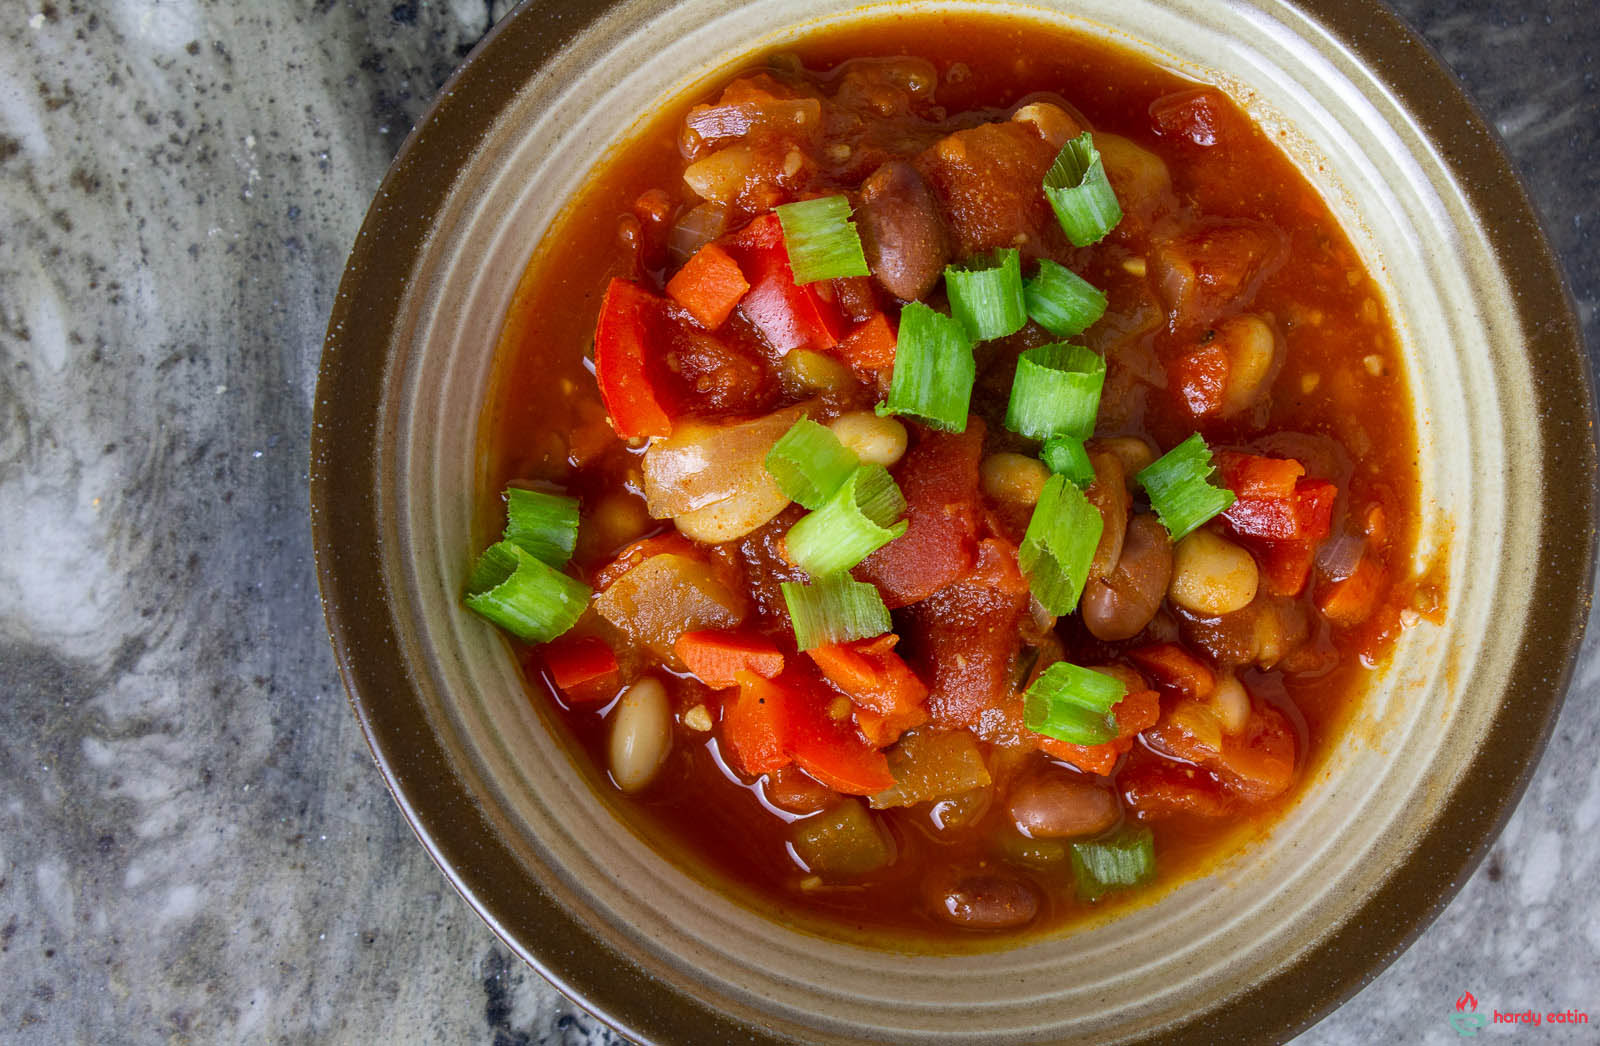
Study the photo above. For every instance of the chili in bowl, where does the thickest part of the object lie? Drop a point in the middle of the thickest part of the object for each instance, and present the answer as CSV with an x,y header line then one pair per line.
x,y
982,526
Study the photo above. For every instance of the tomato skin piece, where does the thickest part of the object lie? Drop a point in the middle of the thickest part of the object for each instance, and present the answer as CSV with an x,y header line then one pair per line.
x,y
1201,379
625,350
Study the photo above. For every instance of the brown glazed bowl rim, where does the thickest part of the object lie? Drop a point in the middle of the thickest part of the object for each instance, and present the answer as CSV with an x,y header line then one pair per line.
x,y
442,809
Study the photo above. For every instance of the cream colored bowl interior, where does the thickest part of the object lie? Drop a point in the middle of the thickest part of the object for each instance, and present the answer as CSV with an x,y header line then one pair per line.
x,y
1210,936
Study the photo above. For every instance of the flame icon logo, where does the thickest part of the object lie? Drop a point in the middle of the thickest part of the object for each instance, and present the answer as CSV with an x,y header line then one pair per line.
x,y
1466,1002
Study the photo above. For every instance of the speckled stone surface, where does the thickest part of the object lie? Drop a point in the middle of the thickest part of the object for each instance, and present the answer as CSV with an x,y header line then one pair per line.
x,y
194,844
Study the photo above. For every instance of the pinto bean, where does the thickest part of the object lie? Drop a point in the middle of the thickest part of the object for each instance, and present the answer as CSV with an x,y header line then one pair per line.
x,y
1109,494
984,900
1056,804
904,239
1120,604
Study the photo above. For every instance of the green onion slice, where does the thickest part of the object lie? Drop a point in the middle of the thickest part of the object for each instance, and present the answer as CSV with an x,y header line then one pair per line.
x,y
528,598
933,370
986,294
834,609
1059,545
1080,194
1066,455
1061,301
1126,858
1073,704
1056,392
1180,490
809,463
821,240
544,525
857,520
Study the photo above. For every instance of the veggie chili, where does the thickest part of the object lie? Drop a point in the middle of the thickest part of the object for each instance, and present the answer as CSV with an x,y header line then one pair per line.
x,y
993,478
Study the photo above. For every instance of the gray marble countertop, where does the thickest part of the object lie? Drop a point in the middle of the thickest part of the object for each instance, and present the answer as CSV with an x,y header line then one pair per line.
x,y
194,844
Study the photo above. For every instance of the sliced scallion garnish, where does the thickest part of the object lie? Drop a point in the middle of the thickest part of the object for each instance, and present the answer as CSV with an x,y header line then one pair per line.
x,y
1180,490
857,520
809,463
933,370
544,525
528,598
834,609
1056,392
1073,704
1059,545
986,294
1126,858
821,240
1065,455
1080,194
1061,301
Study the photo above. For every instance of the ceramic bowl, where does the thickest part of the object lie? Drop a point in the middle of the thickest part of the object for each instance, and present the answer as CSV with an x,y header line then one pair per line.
x,y
1270,941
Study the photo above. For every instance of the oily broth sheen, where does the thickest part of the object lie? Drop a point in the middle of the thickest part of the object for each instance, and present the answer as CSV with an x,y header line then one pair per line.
x,y
1334,327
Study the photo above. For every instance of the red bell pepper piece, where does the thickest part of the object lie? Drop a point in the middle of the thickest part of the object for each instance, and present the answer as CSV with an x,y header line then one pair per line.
x,y
788,315
580,666
775,722
627,351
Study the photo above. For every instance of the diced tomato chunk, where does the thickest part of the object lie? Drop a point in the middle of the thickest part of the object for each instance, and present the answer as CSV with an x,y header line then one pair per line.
x,y
869,347
1255,476
967,635
1285,565
627,354
1201,378
939,478
1174,668
1351,601
1136,712
1158,791
1200,116
709,285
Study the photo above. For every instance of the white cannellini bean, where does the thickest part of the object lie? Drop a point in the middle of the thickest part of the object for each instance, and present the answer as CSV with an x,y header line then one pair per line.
x,y
1252,348
1211,575
876,441
641,734
1231,703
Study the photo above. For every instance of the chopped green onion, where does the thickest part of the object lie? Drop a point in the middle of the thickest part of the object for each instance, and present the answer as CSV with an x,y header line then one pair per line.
x,y
526,597
933,370
858,519
809,463
1061,301
821,240
1127,858
1178,483
834,609
986,294
1080,194
1059,545
544,525
1056,392
1066,455
1073,704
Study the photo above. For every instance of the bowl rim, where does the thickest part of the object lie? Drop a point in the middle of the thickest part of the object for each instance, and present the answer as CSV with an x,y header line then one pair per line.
x,y
440,807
